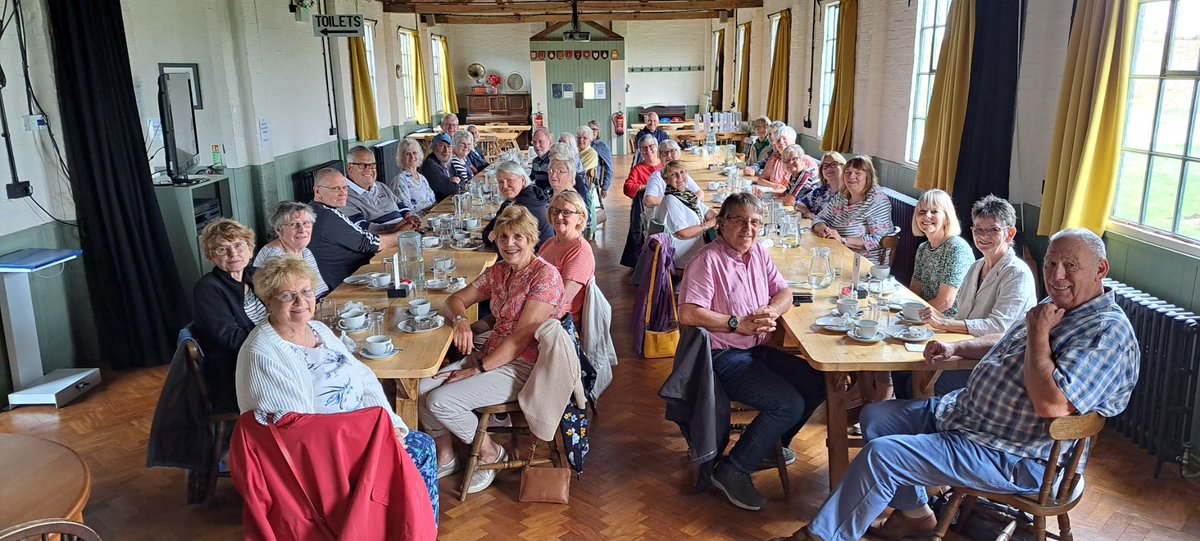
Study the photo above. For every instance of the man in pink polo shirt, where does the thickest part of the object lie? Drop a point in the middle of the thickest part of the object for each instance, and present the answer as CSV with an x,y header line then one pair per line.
x,y
733,289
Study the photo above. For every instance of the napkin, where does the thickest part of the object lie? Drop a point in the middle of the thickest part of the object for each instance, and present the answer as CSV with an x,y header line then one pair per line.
x,y
915,348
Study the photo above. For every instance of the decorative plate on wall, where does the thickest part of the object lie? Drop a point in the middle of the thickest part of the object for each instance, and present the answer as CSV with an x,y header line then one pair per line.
x,y
515,81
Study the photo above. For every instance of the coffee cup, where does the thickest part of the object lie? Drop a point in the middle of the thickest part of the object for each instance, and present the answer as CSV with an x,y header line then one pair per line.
x,y
847,307
353,319
714,185
418,307
880,272
379,344
380,279
471,223
430,242
912,310
866,328
461,236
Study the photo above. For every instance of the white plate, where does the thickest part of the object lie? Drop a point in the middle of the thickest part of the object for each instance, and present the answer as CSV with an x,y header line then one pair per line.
x,y
887,288
905,318
836,324
835,313
899,332
370,355
878,336
357,279
476,228
473,246
404,326
343,327
437,285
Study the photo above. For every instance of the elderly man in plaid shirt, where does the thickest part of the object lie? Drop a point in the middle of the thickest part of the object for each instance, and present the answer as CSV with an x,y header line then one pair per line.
x,y
1074,353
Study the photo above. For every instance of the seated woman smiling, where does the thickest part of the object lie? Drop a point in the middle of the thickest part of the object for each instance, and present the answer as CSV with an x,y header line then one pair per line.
x,y
568,251
296,365
683,215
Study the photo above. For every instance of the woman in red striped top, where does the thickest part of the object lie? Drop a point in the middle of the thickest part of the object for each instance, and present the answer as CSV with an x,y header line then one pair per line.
x,y
568,250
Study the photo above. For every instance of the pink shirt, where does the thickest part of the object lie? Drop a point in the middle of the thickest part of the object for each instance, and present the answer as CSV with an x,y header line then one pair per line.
x,y
508,292
575,262
720,280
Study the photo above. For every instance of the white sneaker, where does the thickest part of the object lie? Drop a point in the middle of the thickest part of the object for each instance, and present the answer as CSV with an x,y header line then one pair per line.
x,y
448,469
483,478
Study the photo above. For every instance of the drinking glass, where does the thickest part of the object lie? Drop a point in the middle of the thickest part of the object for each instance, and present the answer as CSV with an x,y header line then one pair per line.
x,y
327,309
376,323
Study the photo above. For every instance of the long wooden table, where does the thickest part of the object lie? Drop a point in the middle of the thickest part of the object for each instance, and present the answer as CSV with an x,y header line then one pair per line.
x,y
40,479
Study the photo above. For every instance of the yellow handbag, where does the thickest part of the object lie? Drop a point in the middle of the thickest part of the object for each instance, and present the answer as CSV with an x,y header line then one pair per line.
x,y
660,344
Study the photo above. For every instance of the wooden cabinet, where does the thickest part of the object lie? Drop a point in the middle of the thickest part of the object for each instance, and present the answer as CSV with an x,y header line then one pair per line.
x,y
508,108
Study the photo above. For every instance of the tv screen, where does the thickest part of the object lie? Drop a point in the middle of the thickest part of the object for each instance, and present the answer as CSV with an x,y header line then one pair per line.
x,y
178,124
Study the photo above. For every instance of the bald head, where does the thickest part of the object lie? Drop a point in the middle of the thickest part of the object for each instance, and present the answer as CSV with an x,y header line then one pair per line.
x,y
1075,266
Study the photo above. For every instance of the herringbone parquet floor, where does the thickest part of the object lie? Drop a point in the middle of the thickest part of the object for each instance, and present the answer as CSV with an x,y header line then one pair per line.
x,y
638,482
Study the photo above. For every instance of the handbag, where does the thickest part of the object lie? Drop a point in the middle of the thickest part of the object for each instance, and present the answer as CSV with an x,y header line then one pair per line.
x,y
544,485
660,344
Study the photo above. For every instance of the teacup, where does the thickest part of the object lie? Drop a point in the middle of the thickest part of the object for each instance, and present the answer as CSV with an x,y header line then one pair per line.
x,y
421,323
713,167
914,332
461,236
866,328
847,307
418,307
471,223
430,242
354,319
444,263
881,272
718,197
379,344
714,185
380,279
912,310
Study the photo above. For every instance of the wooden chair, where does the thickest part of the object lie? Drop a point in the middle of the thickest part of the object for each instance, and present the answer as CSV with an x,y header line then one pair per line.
x,y
740,417
221,425
490,146
516,460
50,528
889,244
1072,436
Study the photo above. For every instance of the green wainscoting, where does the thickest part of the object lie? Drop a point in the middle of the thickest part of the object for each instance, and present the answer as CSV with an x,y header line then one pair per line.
x,y
62,308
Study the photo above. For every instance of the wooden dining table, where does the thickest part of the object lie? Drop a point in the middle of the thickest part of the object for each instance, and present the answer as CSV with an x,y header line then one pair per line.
x,y
40,479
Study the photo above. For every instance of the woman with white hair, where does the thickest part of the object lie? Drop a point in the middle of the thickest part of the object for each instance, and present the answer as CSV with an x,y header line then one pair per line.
x,y
802,180
410,186
564,175
517,188
583,143
292,223
460,165
640,173
656,187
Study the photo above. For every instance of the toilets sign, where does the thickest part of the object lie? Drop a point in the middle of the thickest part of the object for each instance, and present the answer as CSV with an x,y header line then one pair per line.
x,y
337,26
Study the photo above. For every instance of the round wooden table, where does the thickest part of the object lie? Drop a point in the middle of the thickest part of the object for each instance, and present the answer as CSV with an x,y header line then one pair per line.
x,y
41,479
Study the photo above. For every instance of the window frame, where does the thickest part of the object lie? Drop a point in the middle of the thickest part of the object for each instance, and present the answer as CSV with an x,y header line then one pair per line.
x,y
773,31
406,57
739,44
829,40
924,70
1188,156
369,45
436,53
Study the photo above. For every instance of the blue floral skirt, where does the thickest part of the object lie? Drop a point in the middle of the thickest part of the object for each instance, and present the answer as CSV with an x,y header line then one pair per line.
x,y
424,455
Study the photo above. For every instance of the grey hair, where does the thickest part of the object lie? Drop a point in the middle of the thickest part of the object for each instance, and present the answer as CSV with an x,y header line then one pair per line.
x,y
786,131
669,144
739,201
583,130
762,118
448,117
776,124
360,150
463,135
565,154
325,173
794,150
407,144
995,208
543,130
513,168
645,138
285,209
1093,241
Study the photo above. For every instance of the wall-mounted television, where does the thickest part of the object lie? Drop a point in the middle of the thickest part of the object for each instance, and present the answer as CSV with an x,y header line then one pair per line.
x,y
178,117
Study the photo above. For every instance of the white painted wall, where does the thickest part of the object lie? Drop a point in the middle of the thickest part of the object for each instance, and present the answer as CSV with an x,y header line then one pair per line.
x,y
1042,64
666,43
501,49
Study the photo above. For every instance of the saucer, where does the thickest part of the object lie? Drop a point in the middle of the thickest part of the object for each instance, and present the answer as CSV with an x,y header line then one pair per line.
x,y
837,314
832,323
343,327
906,319
885,288
854,336
406,325
379,288
408,313
357,279
370,355
489,216
473,245
900,332
437,285
452,268
476,228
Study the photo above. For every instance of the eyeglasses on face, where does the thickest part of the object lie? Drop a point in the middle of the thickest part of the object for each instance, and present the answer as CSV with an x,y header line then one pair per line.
x,y
555,211
231,249
743,222
339,189
830,165
986,231
364,165
288,297
298,226
560,171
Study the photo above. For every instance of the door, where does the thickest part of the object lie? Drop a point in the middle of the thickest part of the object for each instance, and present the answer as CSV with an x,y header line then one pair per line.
x,y
578,91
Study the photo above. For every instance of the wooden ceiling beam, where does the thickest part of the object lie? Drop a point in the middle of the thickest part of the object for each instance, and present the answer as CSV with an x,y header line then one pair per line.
x,y
550,18
554,7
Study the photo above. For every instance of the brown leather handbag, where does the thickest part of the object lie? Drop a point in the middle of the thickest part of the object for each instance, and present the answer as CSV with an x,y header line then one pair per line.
x,y
544,485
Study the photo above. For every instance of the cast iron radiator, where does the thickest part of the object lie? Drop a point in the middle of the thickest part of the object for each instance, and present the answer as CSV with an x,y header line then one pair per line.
x,y
1162,407
302,180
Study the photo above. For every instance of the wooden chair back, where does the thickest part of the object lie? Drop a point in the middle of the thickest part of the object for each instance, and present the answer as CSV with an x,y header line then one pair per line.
x,y
1075,432
195,362
50,528
889,244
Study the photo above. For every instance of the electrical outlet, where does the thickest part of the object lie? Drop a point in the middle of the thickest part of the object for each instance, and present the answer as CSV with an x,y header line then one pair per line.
x,y
35,122
17,190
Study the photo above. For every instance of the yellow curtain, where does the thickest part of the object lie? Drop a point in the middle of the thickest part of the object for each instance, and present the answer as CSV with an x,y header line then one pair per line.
x,y
719,75
449,98
1081,180
366,120
840,125
421,97
777,93
743,92
948,103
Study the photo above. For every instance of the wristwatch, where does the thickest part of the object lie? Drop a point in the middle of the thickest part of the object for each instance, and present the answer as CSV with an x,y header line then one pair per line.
x,y
479,364
733,323
458,318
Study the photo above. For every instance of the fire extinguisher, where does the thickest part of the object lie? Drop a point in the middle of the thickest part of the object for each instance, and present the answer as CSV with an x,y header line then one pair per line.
x,y
538,119
618,120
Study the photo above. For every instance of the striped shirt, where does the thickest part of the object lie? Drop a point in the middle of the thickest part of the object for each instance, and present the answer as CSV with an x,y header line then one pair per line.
x,y
870,219
1096,357
255,309
269,252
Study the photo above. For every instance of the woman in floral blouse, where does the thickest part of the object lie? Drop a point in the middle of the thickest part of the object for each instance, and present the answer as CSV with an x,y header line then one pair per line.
x,y
943,259
860,215
410,186
525,291
810,204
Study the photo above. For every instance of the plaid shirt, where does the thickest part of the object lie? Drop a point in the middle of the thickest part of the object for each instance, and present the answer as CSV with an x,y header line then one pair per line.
x,y
1096,356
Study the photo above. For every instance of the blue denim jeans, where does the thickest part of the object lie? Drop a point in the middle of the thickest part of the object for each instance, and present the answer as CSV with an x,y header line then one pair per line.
x,y
782,387
905,453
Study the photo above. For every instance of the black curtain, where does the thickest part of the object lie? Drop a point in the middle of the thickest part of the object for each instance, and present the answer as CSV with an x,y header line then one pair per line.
x,y
986,149
137,300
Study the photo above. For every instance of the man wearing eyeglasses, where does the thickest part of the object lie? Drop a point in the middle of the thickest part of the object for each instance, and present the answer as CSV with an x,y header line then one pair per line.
x,y
371,204
339,245
733,289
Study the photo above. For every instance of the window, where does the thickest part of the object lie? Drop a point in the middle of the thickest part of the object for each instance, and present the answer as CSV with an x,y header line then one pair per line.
x,y
828,62
1158,180
739,47
408,66
438,54
774,20
369,43
931,28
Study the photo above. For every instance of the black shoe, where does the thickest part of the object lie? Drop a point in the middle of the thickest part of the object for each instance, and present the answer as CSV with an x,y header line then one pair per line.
x,y
738,487
769,463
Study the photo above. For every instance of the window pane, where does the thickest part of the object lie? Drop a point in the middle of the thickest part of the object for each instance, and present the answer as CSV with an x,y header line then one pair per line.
x,y
1150,38
929,11
927,52
1139,118
1173,114
1164,188
943,11
1195,148
918,138
922,108
1185,43
1189,218
938,34
1131,180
